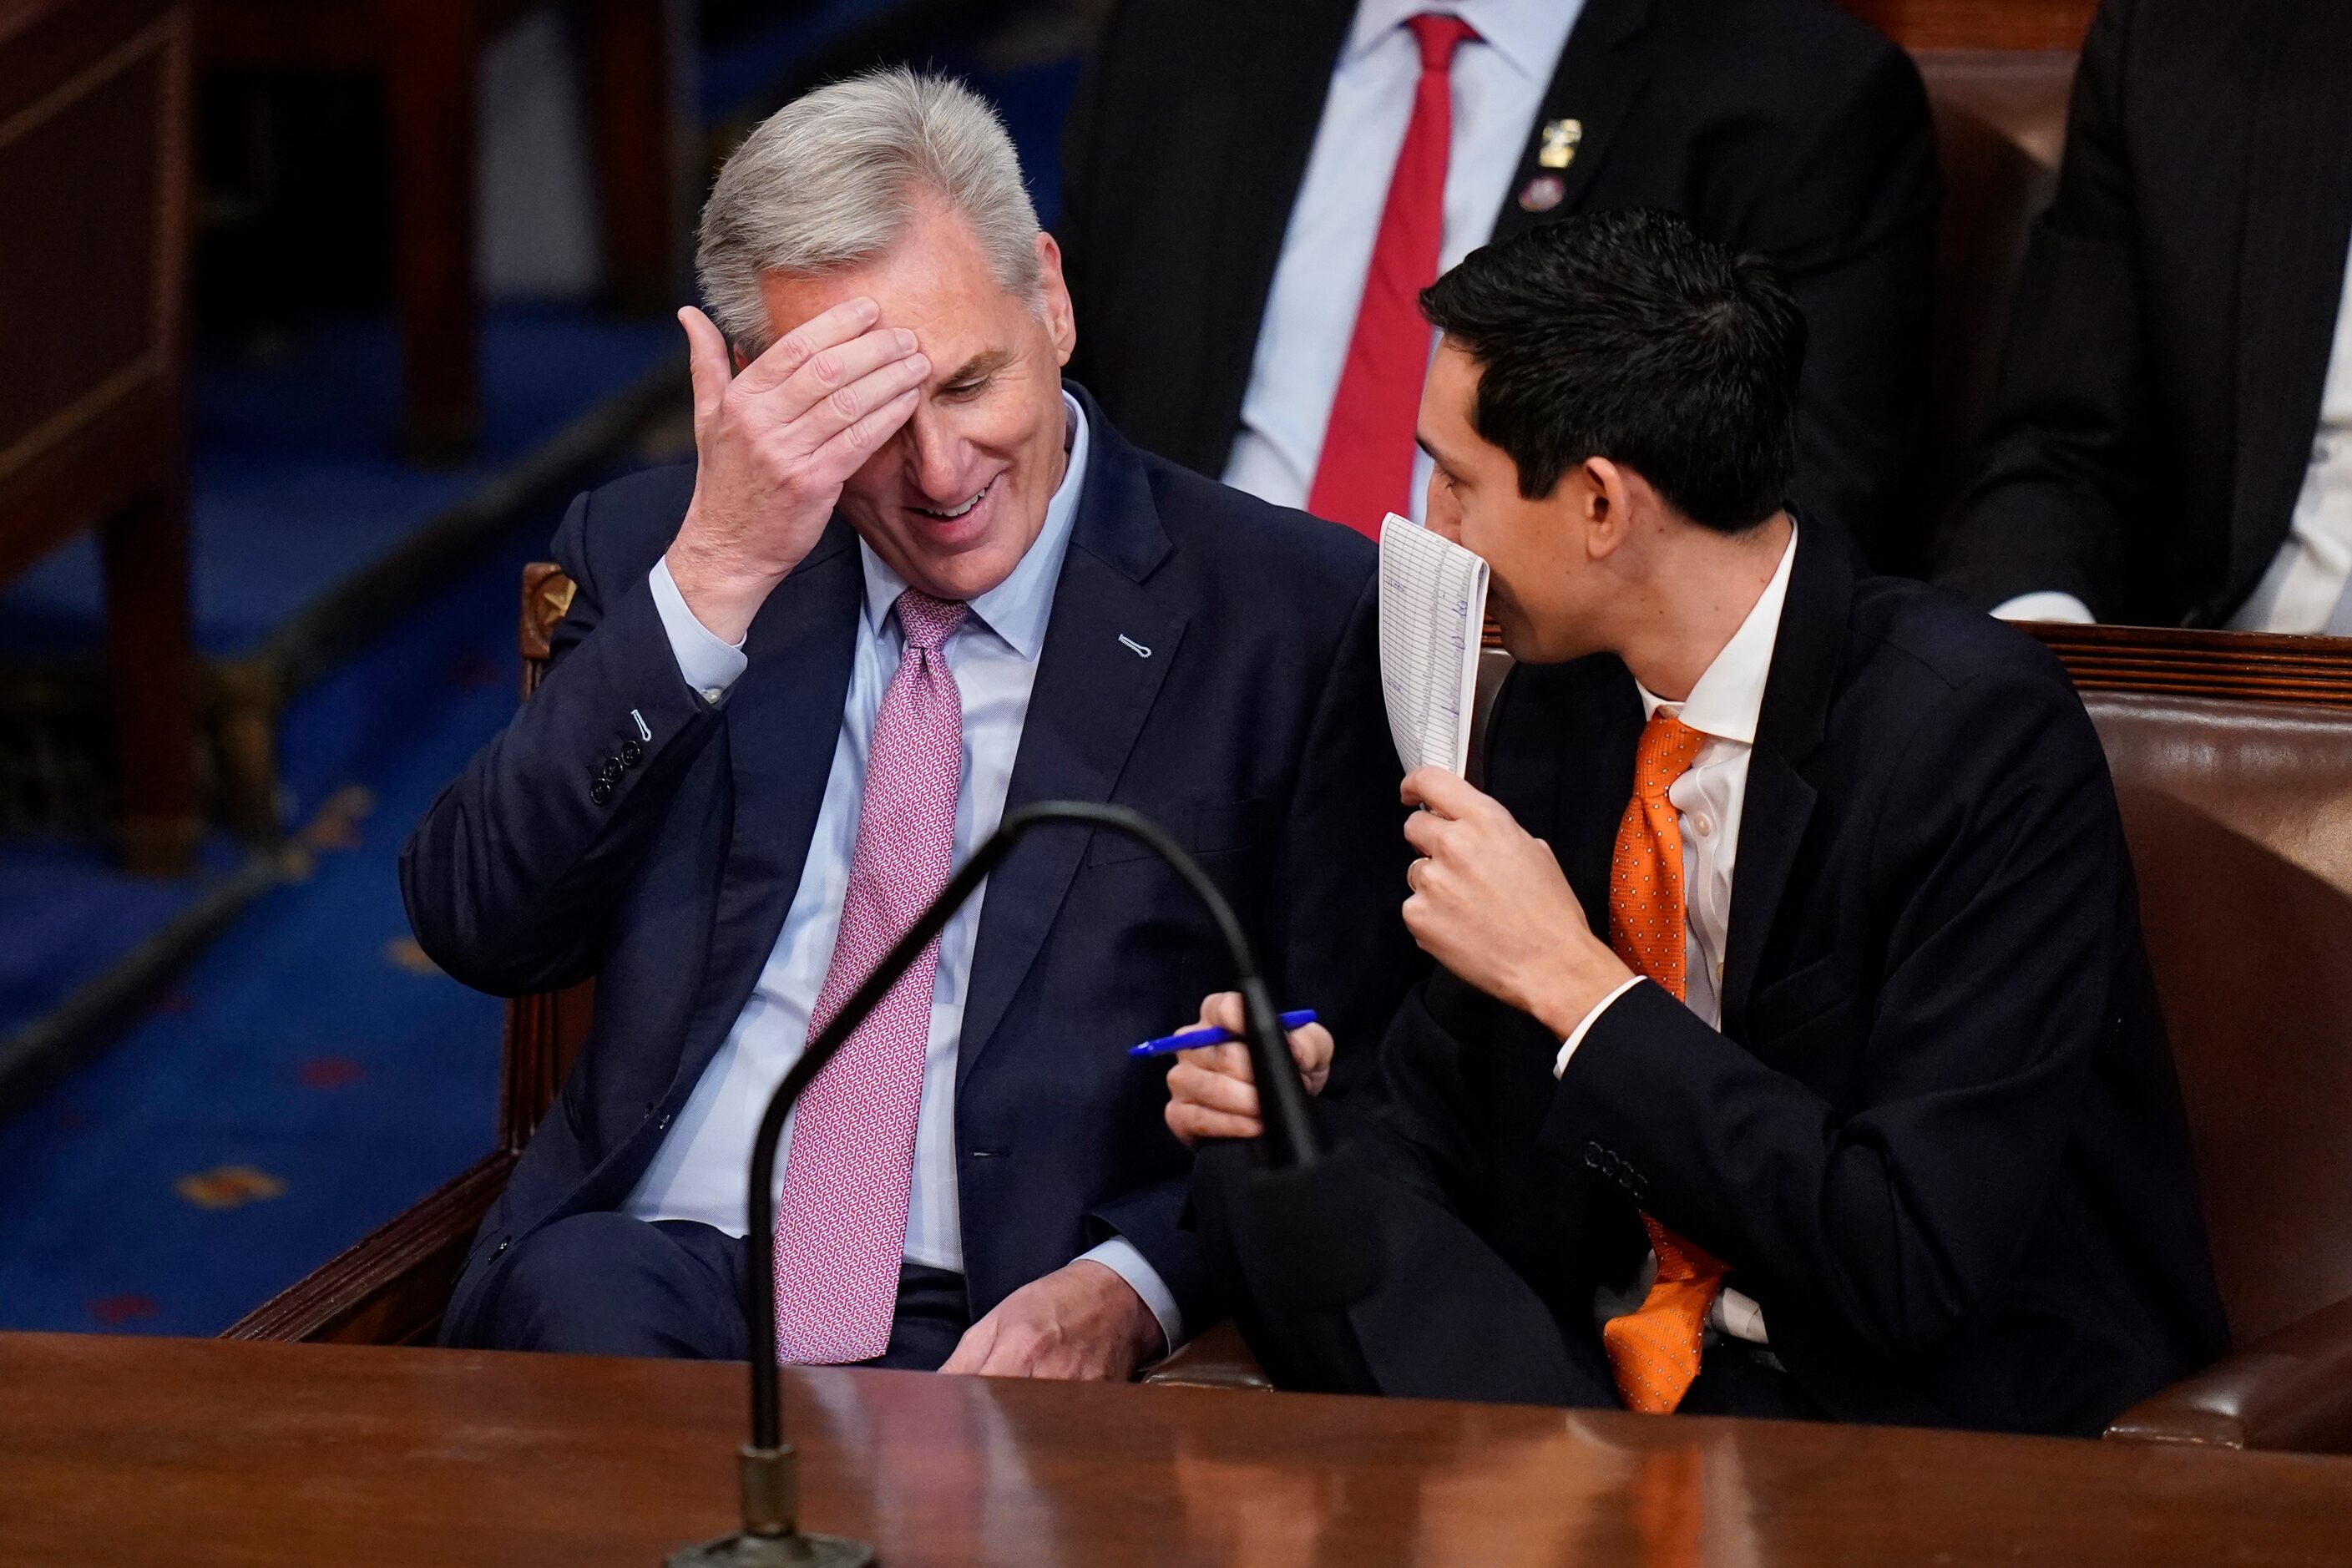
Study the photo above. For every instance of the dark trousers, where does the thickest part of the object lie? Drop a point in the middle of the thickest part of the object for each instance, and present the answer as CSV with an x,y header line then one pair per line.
x,y
607,1284
1446,1317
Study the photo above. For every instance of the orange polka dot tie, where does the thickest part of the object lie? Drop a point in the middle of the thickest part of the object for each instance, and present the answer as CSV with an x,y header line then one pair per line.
x,y
1654,1350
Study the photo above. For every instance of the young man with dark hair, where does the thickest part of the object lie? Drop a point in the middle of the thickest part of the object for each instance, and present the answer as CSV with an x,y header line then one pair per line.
x,y
1793,1049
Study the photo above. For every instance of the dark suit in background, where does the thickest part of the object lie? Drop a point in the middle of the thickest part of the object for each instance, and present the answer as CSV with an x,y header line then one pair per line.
x,y
1782,126
1253,732
1938,1139
2172,329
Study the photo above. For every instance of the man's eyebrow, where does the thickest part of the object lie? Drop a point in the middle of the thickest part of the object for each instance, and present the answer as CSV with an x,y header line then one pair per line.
x,y
981,365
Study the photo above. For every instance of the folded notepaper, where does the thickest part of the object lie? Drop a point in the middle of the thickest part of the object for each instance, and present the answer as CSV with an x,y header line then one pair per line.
x,y
1433,611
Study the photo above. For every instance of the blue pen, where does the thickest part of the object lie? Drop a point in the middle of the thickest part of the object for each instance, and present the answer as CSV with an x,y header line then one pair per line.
x,y
1193,1039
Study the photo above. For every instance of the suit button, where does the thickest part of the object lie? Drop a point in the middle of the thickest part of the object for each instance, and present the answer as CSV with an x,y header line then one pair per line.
x,y
601,793
632,753
1592,1156
610,771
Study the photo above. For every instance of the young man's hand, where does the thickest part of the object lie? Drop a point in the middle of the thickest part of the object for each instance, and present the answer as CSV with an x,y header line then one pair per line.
x,y
1212,1092
1490,904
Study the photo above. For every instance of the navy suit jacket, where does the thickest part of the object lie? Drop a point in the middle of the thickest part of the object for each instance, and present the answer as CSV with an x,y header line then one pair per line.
x,y
1254,731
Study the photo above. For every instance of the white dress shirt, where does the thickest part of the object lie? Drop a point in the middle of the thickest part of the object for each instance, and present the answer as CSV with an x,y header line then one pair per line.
x,y
1708,799
697,1173
2313,569
1498,80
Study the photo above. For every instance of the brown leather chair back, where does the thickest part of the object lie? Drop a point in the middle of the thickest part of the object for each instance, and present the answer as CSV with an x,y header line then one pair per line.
x,y
2239,815
2232,759
2001,124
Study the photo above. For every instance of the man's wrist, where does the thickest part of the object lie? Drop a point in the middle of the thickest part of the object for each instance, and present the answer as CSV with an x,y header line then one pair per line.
x,y
1578,984
723,600
1157,1324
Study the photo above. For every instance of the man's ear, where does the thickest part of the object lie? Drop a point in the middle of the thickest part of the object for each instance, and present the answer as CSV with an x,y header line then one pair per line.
x,y
1604,493
1061,320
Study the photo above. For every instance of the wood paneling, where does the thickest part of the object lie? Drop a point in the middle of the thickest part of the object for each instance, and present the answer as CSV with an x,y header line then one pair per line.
x,y
94,133
427,53
1978,23
2197,663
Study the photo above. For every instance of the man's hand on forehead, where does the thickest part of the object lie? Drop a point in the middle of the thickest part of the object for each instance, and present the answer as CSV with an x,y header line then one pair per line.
x,y
839,340
774,445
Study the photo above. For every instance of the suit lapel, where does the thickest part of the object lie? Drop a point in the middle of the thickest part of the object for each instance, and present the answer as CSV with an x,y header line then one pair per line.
x,y
1602,74
1090,702
1283,83
783,724
1779,803
2298,223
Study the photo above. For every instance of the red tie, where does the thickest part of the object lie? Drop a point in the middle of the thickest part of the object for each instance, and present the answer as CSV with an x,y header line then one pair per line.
x,y
1366,467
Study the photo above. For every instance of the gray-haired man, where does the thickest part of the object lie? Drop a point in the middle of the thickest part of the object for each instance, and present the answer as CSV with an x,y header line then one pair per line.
x,y
912,580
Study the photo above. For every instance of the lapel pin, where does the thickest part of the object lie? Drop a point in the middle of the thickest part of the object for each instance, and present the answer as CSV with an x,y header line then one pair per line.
x,y
1541,193
1134,646
1557,143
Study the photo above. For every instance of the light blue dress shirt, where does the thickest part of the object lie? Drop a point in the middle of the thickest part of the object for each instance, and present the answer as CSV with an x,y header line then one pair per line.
x,y
1498,80
698,1175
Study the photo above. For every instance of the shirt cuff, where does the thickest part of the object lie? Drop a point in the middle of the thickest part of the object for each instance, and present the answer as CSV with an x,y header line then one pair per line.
x,y
1119,1254
1584,1024
2045,605
1738,1316
709,664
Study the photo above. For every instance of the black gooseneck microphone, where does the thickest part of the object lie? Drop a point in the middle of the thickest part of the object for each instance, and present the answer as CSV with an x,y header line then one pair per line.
x,y
770,1534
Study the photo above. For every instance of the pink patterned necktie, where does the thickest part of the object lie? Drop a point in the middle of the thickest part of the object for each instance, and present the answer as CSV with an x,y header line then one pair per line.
x,y
841,1227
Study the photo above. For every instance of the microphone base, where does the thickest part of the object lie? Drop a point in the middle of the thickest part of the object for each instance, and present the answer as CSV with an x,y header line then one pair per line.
x,y
769,1479
792,1551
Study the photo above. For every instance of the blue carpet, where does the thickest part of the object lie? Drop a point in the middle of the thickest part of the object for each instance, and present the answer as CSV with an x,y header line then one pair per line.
x,y
67,913
297,480
296,484
309,1076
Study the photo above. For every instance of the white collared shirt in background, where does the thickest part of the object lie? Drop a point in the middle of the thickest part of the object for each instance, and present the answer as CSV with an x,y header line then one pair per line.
x,y
1708,801
697,1173
2312,570
1500,78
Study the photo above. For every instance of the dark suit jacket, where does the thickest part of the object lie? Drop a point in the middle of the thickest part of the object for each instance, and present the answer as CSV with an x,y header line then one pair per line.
x,y
2170,340
1253,732
1938,1137
1782,126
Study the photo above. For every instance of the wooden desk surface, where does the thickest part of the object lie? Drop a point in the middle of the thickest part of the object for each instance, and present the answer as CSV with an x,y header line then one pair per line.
x,y
188,1452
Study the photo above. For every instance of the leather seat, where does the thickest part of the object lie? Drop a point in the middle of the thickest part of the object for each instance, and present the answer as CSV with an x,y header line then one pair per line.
x,y
2240,817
